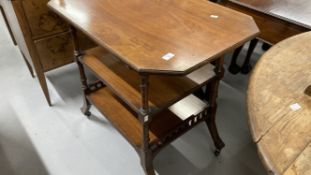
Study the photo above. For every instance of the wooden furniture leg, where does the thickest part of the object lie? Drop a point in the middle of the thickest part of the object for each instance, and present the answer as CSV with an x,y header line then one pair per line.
x,y
34,54
28,65
147,165
146,154
78,54
234,68
247,67
266,46
85,109
7,24
212,93
44,86
14,41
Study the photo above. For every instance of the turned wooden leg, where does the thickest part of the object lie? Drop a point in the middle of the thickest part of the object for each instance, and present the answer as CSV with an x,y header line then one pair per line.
x,y
7,24
146,157
247,67
85,109
212,93
234,68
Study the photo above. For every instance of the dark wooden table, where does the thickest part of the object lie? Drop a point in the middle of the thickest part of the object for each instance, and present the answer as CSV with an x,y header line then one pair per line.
x,y
279,106
151,55
276,19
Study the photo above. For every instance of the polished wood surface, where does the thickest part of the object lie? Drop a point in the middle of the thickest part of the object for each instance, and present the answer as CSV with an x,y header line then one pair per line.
x,y
164,90
141,32
151,55
126,120
282,80
41,20
149,113
121,117
273,28
276,19
293,11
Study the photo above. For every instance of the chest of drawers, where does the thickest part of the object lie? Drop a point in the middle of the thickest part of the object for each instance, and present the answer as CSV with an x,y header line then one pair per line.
x,y
43,38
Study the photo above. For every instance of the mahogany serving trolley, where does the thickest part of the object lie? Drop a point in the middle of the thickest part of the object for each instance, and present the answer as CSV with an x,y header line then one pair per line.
x,y
152,56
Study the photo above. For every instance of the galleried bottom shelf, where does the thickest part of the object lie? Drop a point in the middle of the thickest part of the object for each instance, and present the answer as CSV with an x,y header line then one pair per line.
x,y
164,127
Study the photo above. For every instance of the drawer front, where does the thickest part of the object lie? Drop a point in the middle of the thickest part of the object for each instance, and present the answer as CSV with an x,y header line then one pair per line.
x,y
55,51
41,20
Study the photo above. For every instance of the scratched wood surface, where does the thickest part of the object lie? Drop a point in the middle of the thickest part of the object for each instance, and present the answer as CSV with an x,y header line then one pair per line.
x,y
302,165
141,32
281,79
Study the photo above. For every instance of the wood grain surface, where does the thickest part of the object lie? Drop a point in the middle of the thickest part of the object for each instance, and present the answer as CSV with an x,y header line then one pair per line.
x,y
125,82
41,20
279,106
141,32
302,165
294,11
273,28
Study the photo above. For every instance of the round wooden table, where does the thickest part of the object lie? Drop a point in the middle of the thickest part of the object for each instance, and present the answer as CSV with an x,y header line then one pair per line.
x,y
279,106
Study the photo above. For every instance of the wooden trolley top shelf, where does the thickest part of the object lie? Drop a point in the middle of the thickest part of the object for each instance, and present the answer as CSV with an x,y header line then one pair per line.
x,y
186,34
